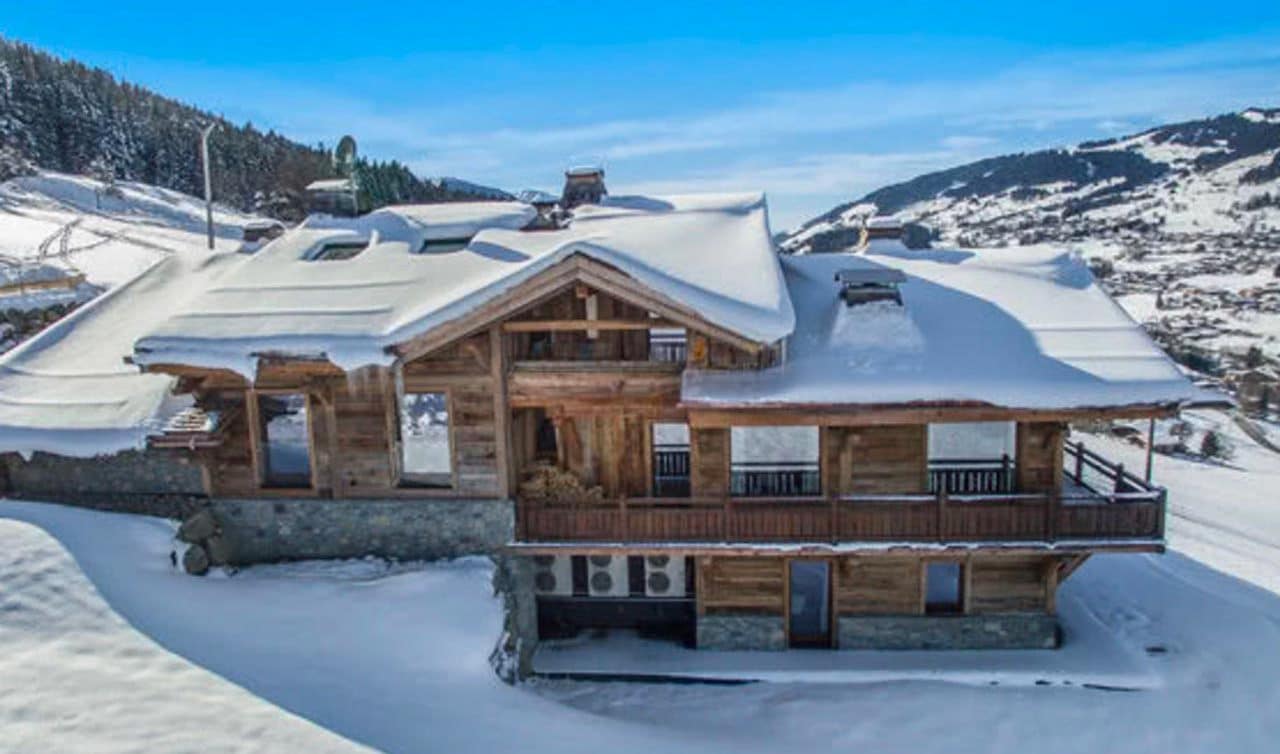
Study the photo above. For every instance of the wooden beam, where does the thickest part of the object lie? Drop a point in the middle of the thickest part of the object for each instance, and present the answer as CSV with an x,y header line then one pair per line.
x,y
1070,565
852,415
576,269
501,412
785,550
569,325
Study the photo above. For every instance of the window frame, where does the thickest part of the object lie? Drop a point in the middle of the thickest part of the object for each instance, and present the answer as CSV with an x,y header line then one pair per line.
x,y
258,439
412,481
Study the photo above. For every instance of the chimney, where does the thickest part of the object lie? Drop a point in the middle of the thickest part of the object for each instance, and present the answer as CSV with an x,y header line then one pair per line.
x,y
583,185
884,226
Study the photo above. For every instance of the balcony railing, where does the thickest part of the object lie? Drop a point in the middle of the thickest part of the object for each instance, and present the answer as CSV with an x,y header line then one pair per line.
x,y
971,476
1101,501
670,470
767,479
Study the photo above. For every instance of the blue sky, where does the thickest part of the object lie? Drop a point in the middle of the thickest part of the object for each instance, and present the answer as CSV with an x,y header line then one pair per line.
x,y
815,103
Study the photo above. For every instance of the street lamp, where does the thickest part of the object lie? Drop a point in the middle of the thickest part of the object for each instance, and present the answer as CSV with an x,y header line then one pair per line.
x,y
208,185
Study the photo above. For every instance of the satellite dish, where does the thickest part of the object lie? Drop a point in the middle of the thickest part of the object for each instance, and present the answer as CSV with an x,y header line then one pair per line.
x,y
344,156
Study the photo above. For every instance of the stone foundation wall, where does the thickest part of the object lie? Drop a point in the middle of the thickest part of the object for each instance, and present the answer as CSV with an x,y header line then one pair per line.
x,y
741,632
264,531
512,657
152,482
1005,631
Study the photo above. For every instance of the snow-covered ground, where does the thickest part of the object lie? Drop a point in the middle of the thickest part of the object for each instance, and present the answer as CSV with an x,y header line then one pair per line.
x,y
137,657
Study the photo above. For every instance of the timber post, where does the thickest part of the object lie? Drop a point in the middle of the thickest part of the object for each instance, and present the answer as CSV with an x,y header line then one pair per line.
x,y
942,513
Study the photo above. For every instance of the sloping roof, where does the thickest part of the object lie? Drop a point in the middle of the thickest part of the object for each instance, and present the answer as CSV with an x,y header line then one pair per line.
x,y
69,391
352,311
1021,328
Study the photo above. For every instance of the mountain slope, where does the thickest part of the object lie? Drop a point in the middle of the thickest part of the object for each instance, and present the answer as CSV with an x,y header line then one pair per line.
x,y
1182,223
1212,176
62,115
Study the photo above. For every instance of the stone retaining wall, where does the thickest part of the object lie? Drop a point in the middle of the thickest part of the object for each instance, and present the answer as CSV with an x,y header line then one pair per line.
x,y
153,482
1005,631
741,632
268,530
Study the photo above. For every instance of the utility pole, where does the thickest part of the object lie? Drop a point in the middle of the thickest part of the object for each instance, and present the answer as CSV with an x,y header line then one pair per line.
x,y
208,185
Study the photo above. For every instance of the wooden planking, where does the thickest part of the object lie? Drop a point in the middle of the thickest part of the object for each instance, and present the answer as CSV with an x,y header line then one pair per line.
x,y
1009,584
364,462
886,460
709,462
877,586
1039,456
741,585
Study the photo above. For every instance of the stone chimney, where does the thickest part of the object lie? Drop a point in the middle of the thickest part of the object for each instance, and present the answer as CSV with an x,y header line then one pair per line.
x,y
583,185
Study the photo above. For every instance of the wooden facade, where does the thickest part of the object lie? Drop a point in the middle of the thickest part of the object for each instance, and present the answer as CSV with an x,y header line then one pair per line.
x,y
564,381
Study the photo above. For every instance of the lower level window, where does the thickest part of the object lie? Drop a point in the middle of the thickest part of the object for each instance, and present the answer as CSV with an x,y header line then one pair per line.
x,y
286,447
425,453
944,590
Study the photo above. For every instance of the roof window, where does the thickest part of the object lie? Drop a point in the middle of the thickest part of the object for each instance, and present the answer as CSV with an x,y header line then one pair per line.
x,y
865,286
443,245
336,252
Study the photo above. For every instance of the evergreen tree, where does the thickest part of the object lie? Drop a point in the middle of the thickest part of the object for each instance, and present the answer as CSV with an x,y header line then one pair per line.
x,y
64,116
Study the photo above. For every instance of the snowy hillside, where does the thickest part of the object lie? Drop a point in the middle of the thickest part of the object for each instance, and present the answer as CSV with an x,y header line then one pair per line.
x,y
1186,217
65,238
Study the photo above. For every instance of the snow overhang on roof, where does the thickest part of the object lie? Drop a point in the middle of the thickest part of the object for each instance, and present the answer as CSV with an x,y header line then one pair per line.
x,y
1020,328
352,312
70,391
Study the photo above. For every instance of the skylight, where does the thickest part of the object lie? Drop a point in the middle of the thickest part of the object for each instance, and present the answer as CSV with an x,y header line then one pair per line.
x,y
336,252
443,245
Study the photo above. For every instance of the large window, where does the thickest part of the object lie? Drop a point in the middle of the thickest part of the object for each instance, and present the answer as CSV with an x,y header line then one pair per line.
x,y
285,445
670,459
774,461
426,456
972,457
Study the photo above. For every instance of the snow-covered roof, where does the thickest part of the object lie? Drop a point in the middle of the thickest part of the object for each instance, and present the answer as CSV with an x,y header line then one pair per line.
x,y
1022,328
69,390
351,311
330,184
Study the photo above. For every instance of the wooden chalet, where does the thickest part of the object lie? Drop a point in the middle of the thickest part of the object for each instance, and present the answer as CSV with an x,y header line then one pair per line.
x,y
690,435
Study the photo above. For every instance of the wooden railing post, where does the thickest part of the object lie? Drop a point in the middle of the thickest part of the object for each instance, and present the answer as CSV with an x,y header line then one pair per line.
x,y
834,519
1080,462
942,514
1119,481
626,520
726,518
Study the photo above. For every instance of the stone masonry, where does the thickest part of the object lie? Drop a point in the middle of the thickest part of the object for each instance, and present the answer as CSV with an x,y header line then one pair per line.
x,y
1004,631
741,632
261,530
152,482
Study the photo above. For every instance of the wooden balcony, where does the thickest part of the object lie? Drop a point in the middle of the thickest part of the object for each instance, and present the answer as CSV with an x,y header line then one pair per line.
x,y
1099,502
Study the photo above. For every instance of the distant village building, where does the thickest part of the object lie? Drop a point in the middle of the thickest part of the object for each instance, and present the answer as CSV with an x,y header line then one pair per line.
x,y
654,420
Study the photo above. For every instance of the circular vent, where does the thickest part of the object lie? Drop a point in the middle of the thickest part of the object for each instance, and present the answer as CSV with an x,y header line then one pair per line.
x,y
659,561
601,581
544,561
545,581
601,561
659,582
